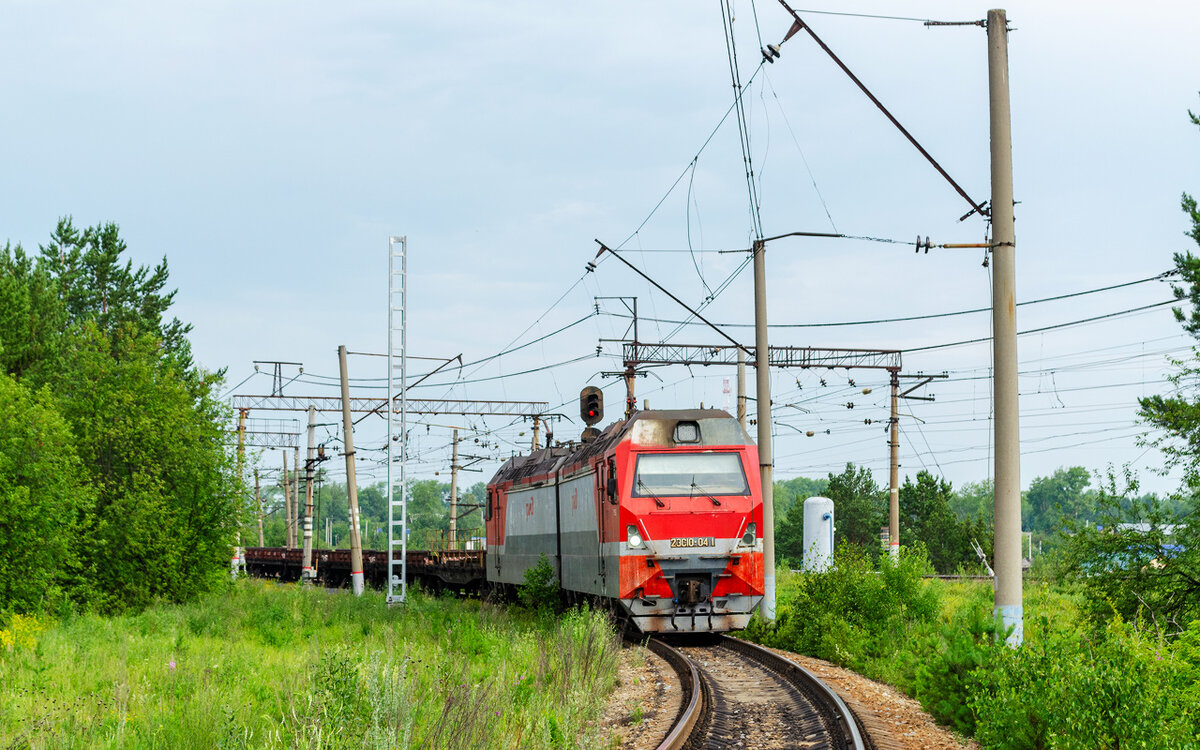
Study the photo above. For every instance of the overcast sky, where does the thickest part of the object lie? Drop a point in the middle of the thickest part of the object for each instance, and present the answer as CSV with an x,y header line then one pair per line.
x,y
269,149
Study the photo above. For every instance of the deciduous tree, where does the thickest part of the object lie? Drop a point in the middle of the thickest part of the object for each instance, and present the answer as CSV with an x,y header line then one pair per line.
x,y
1061,495
44,500
84,326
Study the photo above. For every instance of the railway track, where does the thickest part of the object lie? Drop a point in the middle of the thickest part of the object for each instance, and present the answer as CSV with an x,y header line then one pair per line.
x,y
738,694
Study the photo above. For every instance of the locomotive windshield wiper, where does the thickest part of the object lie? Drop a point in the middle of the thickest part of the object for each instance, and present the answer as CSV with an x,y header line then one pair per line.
x,y
642,486
704,492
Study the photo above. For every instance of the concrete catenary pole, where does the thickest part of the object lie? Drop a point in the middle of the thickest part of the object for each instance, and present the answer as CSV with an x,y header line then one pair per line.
x,y
741,386
306,571
762,393
537,422
258,502
631,371
454,492
296,495
241,483
1008,607
356,556
894,471
287,503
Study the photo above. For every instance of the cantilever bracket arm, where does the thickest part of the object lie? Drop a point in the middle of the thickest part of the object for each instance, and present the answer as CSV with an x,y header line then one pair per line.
x,y
678,301
980,208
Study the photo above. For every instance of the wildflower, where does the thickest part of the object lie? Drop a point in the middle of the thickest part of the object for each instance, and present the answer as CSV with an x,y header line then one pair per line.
x,y
171,664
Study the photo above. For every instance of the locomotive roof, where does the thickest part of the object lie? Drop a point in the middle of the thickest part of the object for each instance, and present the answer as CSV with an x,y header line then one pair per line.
x,y
654,428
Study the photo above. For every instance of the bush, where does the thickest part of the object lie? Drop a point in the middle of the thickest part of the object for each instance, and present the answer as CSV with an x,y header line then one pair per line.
x,y
44,498
852,614
1129,563
540,591
1124,688
941,665
1072,686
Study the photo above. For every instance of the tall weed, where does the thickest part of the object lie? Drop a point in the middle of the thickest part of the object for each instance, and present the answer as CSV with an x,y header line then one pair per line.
x,y
264,666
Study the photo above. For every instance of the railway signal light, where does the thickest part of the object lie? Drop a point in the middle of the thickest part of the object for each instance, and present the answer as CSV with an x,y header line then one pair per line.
x,y
591,405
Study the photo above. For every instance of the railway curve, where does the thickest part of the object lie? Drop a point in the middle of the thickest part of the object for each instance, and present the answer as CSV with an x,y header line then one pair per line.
x,y
738,694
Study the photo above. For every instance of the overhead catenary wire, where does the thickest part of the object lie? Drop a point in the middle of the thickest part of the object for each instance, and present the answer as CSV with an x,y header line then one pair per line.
x,y
227,393
512,374
801,25
911,318
804,159
684,173
543,338
688,217
482,360
740,110
874,16
1043,329
534,323
662,289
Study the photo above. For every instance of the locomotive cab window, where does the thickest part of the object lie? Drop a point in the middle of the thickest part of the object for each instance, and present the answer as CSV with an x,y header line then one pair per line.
x,y
689,474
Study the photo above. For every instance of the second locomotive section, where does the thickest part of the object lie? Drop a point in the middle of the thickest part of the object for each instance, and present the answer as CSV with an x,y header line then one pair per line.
x,y
660,515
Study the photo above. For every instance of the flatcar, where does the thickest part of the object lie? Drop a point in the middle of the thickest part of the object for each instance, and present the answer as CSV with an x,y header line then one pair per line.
x,y
659,517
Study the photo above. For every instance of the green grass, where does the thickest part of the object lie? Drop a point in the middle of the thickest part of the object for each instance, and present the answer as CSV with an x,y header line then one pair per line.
x,y
265,666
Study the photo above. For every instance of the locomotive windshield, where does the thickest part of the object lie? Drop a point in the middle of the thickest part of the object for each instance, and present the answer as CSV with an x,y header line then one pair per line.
x,y
689,474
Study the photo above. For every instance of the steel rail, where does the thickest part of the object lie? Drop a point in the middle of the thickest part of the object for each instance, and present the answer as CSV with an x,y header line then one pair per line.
x,y
810,685
691,705
694,717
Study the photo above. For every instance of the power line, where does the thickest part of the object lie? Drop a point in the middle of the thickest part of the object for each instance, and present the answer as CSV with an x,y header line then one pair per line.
x,y
930,316
535,322
803,158
743,128
1043,329
513,374
468,364
801,25
884,18
682,174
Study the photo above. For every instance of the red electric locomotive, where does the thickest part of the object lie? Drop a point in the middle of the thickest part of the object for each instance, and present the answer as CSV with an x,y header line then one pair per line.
x,y
660,515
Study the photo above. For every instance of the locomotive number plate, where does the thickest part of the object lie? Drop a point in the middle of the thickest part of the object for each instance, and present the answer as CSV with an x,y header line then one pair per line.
x,y
694,541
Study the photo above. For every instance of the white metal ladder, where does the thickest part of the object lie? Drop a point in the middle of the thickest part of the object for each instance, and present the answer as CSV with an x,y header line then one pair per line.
x,y
397,357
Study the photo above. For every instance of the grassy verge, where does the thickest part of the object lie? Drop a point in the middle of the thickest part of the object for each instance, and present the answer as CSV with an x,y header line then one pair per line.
x,y
1074,684
264,666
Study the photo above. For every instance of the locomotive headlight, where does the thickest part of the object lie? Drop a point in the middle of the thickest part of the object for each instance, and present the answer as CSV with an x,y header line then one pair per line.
x,y
635,538
749,536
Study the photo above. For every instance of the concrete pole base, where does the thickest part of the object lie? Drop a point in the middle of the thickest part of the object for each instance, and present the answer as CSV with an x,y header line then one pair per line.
x,y
1012,618
768,602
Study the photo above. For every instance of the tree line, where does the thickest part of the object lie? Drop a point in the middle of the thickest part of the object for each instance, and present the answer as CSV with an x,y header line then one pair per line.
x,y
945,521
117,485
428,513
